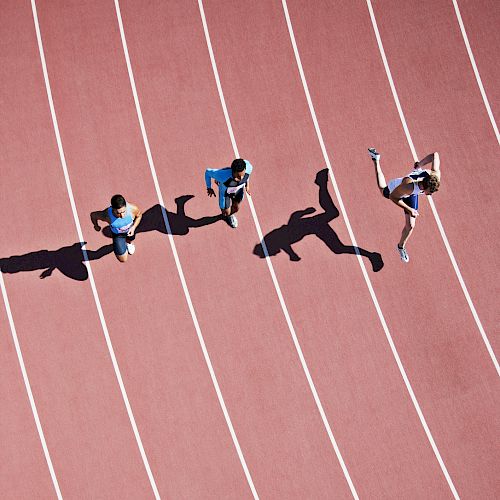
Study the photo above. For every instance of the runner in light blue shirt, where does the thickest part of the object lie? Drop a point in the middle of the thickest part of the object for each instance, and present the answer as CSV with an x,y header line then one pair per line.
x,y
233,182
123,219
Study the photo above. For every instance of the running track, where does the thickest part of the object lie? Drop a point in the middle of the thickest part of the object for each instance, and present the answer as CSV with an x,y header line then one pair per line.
x,y
232,382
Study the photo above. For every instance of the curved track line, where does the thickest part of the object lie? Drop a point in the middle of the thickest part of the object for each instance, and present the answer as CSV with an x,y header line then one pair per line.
x,y
85,255
271,269
28,388
176,257
431,202
476,71
361,263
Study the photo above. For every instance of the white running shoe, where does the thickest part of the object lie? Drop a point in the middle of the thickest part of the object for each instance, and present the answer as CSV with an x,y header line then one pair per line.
x,y
403,254
375,155
232,221
130,248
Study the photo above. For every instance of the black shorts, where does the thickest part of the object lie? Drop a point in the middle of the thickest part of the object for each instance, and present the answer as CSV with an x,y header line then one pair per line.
x,y
237,197
411,201
120,243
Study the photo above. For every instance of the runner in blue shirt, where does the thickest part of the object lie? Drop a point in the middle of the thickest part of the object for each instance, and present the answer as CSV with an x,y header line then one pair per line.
x,y
233,182
123,219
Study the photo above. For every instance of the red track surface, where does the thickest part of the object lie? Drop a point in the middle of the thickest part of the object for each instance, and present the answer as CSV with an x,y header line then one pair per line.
x,y
275,418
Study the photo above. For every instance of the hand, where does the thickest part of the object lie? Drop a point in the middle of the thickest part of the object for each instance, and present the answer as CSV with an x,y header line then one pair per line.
x,y
131,232
210,192
248,191
414,213
97,227
46,273
417,164
226,212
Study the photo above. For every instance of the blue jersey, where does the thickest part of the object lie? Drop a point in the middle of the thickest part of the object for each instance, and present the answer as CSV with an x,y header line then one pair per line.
x,y
120,225
227,185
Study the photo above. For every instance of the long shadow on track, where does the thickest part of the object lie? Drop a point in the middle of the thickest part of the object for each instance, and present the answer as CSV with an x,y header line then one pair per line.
x,y
298,227
69,260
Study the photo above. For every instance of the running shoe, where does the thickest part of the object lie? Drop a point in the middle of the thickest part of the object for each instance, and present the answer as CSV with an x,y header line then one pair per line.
x,y
375,155
130,248
403,254
232,221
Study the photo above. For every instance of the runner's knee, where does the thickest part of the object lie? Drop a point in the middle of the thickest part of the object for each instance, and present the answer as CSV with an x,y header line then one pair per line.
x,y
122,258
410,222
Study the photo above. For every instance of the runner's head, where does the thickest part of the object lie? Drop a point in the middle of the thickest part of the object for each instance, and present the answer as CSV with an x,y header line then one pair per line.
x,y
119,206
238,169
431,184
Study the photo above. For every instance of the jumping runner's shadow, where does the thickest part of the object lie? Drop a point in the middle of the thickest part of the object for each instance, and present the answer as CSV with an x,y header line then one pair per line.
x,y
300,226
68,260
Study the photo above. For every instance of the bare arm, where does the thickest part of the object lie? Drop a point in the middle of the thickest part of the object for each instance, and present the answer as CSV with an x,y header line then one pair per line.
x,y
404,189
97,216
137,214
436,163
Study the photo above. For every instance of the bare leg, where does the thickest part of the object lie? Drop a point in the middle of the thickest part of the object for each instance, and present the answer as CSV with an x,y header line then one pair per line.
x,y
380,175
407,230
235,206
122,258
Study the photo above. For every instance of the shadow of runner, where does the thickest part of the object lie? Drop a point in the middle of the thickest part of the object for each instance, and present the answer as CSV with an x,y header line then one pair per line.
x,y
68,260
300,226
180,223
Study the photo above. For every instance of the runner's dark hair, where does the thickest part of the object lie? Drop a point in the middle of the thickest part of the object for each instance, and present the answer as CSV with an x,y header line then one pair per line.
x,y
238,165
118,201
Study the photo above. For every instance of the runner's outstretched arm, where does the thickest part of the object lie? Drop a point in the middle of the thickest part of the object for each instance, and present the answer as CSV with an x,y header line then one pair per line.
x,y
436,163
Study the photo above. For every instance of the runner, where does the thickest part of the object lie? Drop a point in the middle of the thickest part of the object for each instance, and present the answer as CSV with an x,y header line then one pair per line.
x,y
233,182
123,219
404,191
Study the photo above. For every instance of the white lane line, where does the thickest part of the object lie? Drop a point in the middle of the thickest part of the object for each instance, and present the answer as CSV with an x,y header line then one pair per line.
x,y
430,200
177,260
360,260
28,388
476,71
271,269
85,255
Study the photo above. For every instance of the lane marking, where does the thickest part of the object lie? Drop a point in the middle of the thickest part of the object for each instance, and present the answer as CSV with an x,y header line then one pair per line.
x,y
28,388
476,71
177,260
271,269
429,199
85,255
360,260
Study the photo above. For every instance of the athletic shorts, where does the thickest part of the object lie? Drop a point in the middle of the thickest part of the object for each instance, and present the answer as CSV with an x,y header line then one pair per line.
x,y
237,197
120,243
411,201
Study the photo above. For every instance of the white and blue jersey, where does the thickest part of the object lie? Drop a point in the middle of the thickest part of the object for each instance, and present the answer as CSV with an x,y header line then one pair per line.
x,y
416,176
228,187
120,225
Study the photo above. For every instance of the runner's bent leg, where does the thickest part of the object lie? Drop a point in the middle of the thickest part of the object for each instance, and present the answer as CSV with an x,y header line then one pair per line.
x,y
407,230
